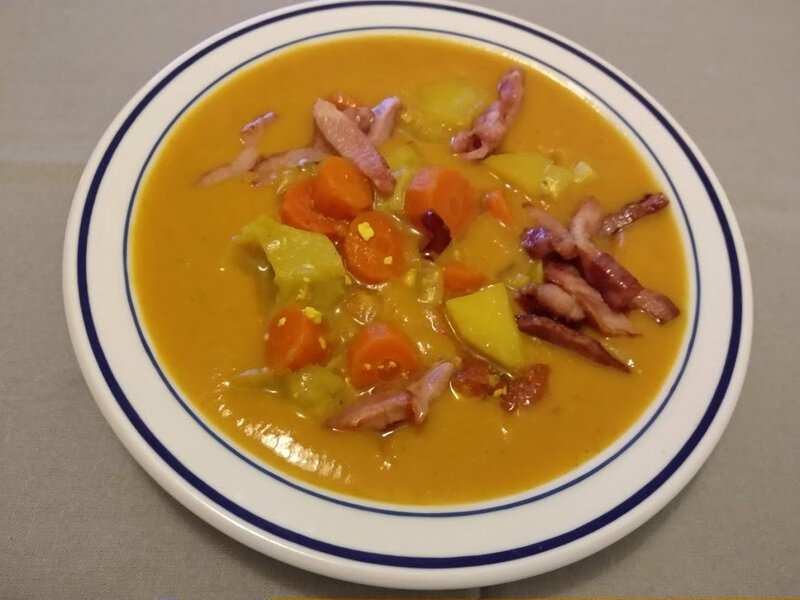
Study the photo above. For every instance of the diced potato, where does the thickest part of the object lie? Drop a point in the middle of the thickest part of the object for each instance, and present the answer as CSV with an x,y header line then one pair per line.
x,y
423,126
485,233
556,179
522,170
306,265
484,320
453,102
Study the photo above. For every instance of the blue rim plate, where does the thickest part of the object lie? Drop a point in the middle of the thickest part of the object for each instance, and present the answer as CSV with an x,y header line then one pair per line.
x,y
376,543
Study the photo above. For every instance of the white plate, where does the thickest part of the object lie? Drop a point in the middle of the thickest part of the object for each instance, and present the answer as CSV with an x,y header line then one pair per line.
x,y
402,546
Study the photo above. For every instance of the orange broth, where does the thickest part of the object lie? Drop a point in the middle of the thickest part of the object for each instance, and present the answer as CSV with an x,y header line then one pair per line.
x,y
206,316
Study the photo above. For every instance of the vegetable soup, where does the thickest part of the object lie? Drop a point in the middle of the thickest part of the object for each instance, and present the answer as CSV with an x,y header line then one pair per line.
x,y
408,270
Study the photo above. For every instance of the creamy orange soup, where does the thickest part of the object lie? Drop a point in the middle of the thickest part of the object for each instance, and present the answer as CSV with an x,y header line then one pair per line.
x,y
205,311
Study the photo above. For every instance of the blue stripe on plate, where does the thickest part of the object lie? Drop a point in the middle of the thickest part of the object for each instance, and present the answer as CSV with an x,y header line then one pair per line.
x,y
387,559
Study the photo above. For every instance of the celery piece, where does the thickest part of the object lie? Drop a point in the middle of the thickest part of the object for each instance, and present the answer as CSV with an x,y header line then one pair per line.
x,y
404,160
317,390
430,283
525,272
556,179
537,271
516,280
453,102
395,204
522,170
484,320
306,265
286,178
583,172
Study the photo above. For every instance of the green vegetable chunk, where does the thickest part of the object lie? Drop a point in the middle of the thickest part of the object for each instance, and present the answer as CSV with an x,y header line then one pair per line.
x,y
484,320
404,161
317,390
524,171
423,126
306,264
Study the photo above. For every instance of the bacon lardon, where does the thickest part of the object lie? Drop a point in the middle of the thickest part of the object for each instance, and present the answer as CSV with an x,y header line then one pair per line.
x,y
598,313
384,115
381,411
344,135
490,127
525,389
549,299
633,211
248,157
559,334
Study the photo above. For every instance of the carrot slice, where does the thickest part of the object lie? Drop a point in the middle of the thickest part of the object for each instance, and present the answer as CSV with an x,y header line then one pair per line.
x,y
373,248
342,191
460,277
446,192
497,204
298,210
294,340
380,352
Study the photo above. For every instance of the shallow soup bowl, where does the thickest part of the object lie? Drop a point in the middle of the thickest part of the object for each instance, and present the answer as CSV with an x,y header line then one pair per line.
x,y
406,545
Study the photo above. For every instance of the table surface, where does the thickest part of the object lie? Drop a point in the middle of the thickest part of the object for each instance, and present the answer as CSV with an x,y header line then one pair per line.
x,y
80,519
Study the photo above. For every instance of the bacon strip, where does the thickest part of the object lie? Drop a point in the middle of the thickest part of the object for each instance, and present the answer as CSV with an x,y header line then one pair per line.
x,y
557,236
599,314
352,143
655,305
604,273
267,168
384,410
377,411
384,116
566,337
490,126
476,378
586,223
429,387
537,242
248,157
618,286
633,211
551,300
527,388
